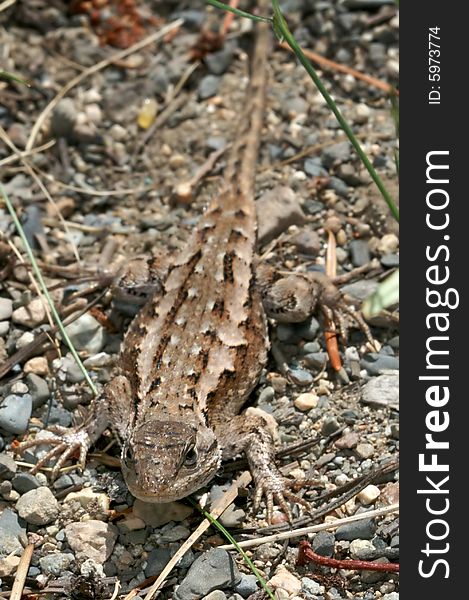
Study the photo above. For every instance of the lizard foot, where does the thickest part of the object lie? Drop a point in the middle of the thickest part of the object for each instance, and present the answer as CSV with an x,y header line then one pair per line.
x,y
274,487
339,313
66,442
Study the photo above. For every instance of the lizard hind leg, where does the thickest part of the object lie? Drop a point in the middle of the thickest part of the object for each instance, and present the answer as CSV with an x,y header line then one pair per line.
x,y
251,433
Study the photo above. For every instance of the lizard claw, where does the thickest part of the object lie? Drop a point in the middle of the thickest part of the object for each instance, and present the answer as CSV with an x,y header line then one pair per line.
x,y
339,313
65,442
276,488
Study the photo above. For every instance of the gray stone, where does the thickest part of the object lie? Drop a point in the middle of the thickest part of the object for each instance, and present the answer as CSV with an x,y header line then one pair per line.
x,y
157,560
359,252
390,261
314,169
301,377
6,308
308,330
211,571
267,394
374,363
38,389
340,152
307,242
339,186
15,412
175,534
216,595
86,334
382,391
363,530
360,289
316,360
12,533
8,467
56,564
329,426
323,543
63,120
277,210
232,516
38,506
391,596
247,586
374,576
310,587
24,482
208,87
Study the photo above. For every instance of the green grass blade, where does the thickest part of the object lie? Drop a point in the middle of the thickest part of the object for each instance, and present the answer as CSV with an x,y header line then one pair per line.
x,y
44,289
237,11
231,539
281,28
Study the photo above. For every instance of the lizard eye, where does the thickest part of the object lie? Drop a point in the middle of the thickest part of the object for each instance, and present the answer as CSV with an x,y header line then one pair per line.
x,y
191,457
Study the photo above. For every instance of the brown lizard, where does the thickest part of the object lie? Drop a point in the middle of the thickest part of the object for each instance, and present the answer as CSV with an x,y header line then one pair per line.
x,y
194,353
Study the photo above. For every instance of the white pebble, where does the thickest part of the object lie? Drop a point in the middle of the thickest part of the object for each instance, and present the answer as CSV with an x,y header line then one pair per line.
x,y
368,495
306,401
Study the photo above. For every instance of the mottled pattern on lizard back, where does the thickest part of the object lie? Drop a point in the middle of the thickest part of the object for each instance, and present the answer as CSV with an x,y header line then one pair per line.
x,y
205,337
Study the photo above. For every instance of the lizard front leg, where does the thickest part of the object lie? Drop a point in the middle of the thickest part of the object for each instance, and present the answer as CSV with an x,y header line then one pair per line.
x,y
294,298
66,441
111,408
251,433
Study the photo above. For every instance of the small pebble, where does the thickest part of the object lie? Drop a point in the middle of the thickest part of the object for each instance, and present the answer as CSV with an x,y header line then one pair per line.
x,y
91,539
329,426
212,570
8,466
369,494
38,506
208,87
365,450
306,401
15,412
359,252
12,534
247,586
37,365
340,152
316,360
301,377
55,564
388,244
362,549
86,334
6,308
31,315
38,388
64,118
286,581
323,543
382,391
24,482
374,363
347,441
364,530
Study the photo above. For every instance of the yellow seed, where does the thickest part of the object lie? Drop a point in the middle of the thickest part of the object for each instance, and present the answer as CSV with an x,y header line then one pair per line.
x,y
147,113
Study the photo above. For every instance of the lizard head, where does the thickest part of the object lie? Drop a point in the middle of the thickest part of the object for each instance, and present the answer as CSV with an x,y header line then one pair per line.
x,y
163,461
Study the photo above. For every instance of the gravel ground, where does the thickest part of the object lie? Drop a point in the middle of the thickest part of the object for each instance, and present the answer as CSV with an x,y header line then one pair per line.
x,y
87,530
